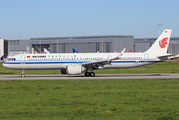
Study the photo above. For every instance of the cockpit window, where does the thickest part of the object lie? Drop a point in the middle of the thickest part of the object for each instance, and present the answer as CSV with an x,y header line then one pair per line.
x,y
11,59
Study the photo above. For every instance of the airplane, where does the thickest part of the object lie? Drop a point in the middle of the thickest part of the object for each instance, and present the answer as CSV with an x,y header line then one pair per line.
x,y
46,51
74,50
72,64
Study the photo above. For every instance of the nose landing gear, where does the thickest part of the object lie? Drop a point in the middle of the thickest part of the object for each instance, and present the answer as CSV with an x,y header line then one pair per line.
x,y
23,73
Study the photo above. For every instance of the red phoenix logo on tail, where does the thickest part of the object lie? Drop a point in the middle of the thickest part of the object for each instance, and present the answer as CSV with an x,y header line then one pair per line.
x,y
163,42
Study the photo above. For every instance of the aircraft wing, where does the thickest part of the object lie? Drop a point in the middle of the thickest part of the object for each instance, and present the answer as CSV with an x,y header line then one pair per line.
x,y
95,64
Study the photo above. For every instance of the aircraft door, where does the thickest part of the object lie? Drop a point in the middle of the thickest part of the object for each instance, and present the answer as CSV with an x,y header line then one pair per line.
x,y
22,59
146,57
109,57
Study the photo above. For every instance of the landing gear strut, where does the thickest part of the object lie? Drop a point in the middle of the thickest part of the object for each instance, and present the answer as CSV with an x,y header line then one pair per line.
x,y
23,73
92,74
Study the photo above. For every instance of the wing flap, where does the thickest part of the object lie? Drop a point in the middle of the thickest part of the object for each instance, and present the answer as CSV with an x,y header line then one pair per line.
x,y
97,62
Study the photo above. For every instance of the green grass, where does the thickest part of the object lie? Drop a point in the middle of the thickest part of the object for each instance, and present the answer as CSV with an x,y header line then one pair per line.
x,y
90,99
161,67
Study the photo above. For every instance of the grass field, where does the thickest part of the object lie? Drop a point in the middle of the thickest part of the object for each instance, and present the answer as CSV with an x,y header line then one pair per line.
x,y
90,99
161,67
155,99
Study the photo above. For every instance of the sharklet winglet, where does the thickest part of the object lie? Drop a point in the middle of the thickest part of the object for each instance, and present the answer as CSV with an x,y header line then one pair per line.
x,y
120,55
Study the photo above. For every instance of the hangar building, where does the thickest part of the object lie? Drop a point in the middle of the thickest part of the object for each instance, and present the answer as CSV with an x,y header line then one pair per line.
x,y
84,44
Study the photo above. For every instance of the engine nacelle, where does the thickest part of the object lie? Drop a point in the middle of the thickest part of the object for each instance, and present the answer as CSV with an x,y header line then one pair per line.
x,y
74,69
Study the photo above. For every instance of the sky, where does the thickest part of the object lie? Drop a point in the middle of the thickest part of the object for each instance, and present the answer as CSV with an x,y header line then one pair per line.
x,y
25,19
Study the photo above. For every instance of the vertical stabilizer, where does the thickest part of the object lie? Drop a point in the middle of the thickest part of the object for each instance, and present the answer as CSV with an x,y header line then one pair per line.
x,y
46,51
160,46
74,50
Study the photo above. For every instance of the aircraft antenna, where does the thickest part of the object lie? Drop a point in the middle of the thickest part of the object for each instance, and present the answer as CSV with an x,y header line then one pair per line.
x,y
159,28
102,46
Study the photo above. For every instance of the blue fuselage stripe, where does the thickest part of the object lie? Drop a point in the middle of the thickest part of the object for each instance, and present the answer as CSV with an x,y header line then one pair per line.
x,y
74,62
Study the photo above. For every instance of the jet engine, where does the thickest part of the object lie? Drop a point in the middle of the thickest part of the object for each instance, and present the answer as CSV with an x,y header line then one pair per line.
x,y
74,69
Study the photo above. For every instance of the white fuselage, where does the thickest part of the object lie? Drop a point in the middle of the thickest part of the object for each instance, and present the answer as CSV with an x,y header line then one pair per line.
x,y
61,60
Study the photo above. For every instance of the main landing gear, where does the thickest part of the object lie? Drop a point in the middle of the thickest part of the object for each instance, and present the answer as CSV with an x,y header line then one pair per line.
x,y
92,74
23,73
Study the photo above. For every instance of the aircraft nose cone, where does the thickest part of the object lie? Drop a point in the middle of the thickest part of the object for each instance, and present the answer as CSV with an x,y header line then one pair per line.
x,y
4,65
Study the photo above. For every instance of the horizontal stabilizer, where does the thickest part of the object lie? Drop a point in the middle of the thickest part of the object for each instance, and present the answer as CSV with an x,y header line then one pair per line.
x,y
164,56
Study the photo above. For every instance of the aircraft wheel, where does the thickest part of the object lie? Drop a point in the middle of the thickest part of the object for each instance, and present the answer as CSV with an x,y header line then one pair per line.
x,y
87,74
22,75
92,74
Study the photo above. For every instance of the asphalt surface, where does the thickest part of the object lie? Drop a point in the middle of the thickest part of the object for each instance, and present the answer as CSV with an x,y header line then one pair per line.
x,y
98,76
